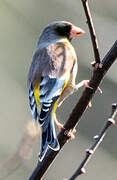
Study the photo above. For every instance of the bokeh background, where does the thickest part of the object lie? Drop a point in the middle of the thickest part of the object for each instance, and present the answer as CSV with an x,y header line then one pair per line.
x,y
20,25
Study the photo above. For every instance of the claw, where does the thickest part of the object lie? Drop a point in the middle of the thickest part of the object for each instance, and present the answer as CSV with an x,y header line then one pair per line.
x,y
83,83
71,133
86,84
60,126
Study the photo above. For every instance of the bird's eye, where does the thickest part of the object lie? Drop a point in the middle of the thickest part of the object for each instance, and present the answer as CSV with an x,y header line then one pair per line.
x,y
63,30
60,29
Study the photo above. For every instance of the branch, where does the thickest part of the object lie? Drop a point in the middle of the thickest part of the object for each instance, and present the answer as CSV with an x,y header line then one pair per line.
x,y
77,112
92,31
98,140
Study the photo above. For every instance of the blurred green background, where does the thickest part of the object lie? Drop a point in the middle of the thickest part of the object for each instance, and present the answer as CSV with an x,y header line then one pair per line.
x,y
20,25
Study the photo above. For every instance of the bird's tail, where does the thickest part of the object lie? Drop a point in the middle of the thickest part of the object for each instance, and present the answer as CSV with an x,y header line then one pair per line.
x,y
49,138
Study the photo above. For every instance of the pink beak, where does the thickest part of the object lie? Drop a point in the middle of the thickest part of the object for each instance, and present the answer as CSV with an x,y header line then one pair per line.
x,y
76,31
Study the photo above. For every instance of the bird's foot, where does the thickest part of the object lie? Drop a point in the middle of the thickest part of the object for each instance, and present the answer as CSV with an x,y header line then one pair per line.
x,y
83,83
71,133
60,126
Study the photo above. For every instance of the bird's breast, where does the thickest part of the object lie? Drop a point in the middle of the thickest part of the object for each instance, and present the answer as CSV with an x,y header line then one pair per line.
x,y
62,57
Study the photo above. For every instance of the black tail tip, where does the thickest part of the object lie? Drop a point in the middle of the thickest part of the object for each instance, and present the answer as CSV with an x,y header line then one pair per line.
x,y
40,157
42,154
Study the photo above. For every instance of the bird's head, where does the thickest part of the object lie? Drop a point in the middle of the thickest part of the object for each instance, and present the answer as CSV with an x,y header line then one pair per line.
x,y
67,30
59,30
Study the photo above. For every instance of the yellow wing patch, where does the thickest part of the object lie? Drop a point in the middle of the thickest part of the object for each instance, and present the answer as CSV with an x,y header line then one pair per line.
x,y
54,109
55,104
36,95
66,82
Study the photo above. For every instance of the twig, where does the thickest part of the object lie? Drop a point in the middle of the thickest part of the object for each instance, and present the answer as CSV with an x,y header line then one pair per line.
x,y
92,31
98,140
77,112
84,100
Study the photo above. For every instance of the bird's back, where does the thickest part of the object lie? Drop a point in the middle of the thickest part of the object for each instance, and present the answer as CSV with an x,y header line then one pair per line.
x,y
53,60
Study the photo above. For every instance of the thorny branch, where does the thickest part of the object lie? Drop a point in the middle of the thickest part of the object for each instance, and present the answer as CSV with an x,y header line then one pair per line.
x,y
84,100
77,112
92,31
98,139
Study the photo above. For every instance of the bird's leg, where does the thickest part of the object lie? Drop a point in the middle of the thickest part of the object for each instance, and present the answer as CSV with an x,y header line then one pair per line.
x,y
67,91
59,125
85,84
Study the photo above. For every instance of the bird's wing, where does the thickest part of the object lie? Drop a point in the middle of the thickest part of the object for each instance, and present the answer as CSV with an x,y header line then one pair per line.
x,y
48,76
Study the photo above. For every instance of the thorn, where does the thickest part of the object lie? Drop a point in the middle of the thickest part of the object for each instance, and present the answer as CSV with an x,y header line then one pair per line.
x,y
96,137
83,171
112,121
89,151
99,90
96,65
93,63
114,105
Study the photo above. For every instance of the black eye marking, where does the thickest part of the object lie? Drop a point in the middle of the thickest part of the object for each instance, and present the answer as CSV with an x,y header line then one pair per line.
x,y
63,30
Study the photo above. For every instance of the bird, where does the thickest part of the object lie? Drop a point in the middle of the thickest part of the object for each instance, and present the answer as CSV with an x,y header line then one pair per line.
x,y
51,78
